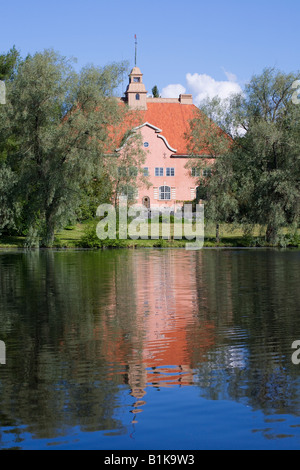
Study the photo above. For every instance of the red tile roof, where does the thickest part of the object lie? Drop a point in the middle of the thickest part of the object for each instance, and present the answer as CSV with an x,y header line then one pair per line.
x,y
172,118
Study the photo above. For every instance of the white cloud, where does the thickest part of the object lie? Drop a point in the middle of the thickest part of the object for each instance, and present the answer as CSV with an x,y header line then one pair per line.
x,y
172,91
203,86
230,76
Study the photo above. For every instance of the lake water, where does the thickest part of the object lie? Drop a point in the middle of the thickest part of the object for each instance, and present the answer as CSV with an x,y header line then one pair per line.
x,y
150,349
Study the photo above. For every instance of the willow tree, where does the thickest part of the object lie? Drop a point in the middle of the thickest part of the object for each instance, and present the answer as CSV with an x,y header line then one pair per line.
x,y
259,176
60,119
9,207
270,150
210,141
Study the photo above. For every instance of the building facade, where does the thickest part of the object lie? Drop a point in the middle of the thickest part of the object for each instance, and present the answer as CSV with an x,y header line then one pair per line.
x,y
164,130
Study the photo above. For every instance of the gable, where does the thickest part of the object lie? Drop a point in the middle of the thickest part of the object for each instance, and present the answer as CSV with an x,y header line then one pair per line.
x,y
157,131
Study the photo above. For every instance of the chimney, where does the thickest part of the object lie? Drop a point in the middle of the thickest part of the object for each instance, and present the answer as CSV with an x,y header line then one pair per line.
x,y
186,99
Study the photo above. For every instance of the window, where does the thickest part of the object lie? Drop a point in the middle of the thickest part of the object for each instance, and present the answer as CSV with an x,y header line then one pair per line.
x,y
136,79
206,172
170,171
137,96
195,171
159,171
164,193
146,171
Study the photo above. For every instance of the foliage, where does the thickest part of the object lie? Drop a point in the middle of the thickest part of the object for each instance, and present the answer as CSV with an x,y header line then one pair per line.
x,y
95,192
9,209
155,92
9,63
60,119
257,179
90,239
124,170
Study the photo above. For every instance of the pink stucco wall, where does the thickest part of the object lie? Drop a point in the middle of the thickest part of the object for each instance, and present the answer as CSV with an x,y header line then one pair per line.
x,y
159,155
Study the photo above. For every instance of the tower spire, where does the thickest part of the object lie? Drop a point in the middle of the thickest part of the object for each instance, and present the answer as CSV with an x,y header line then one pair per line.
x,y
135,50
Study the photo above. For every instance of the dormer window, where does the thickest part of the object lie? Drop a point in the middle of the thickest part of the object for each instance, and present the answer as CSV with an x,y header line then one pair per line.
x,y
137,96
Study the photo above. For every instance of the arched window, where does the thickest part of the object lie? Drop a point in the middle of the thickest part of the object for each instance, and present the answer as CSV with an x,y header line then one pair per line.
x,y
137,96
164,192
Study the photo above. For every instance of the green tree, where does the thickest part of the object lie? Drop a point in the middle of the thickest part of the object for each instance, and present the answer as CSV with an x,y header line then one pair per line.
x,y
155,92
61,121
270,152
124,169
210,141
9,63
262,167
95,192
9,208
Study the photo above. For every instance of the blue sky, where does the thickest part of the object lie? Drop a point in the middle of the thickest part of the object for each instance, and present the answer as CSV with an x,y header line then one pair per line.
x,y
194,45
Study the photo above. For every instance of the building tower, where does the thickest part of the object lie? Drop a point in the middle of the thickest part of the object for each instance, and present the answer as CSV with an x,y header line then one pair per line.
x,y
136,94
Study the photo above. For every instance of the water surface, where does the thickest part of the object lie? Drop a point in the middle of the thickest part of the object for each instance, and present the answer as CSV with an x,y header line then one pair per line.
x,y
150,349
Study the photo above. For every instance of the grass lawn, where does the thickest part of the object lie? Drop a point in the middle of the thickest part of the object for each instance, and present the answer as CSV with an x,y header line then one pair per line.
x,y
230,236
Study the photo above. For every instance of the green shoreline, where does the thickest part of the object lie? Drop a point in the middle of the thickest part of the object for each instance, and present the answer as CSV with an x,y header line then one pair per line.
x,y
230,237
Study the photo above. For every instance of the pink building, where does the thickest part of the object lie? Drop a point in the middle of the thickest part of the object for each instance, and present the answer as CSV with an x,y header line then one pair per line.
x,y
165,124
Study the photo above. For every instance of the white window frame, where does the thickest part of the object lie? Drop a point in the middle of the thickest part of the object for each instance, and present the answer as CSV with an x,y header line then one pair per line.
x,y
159,171
163,193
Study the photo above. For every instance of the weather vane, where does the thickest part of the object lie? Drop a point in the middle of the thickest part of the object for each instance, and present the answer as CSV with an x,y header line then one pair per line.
x,y
135,50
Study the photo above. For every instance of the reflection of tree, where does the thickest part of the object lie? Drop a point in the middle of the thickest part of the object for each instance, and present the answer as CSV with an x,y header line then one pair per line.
x,y
55,376
254,299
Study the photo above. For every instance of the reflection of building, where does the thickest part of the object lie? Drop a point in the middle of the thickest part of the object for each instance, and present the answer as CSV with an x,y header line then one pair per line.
x,y
159,339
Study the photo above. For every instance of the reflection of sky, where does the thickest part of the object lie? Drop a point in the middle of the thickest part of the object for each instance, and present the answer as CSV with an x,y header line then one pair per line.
x,y
175,418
